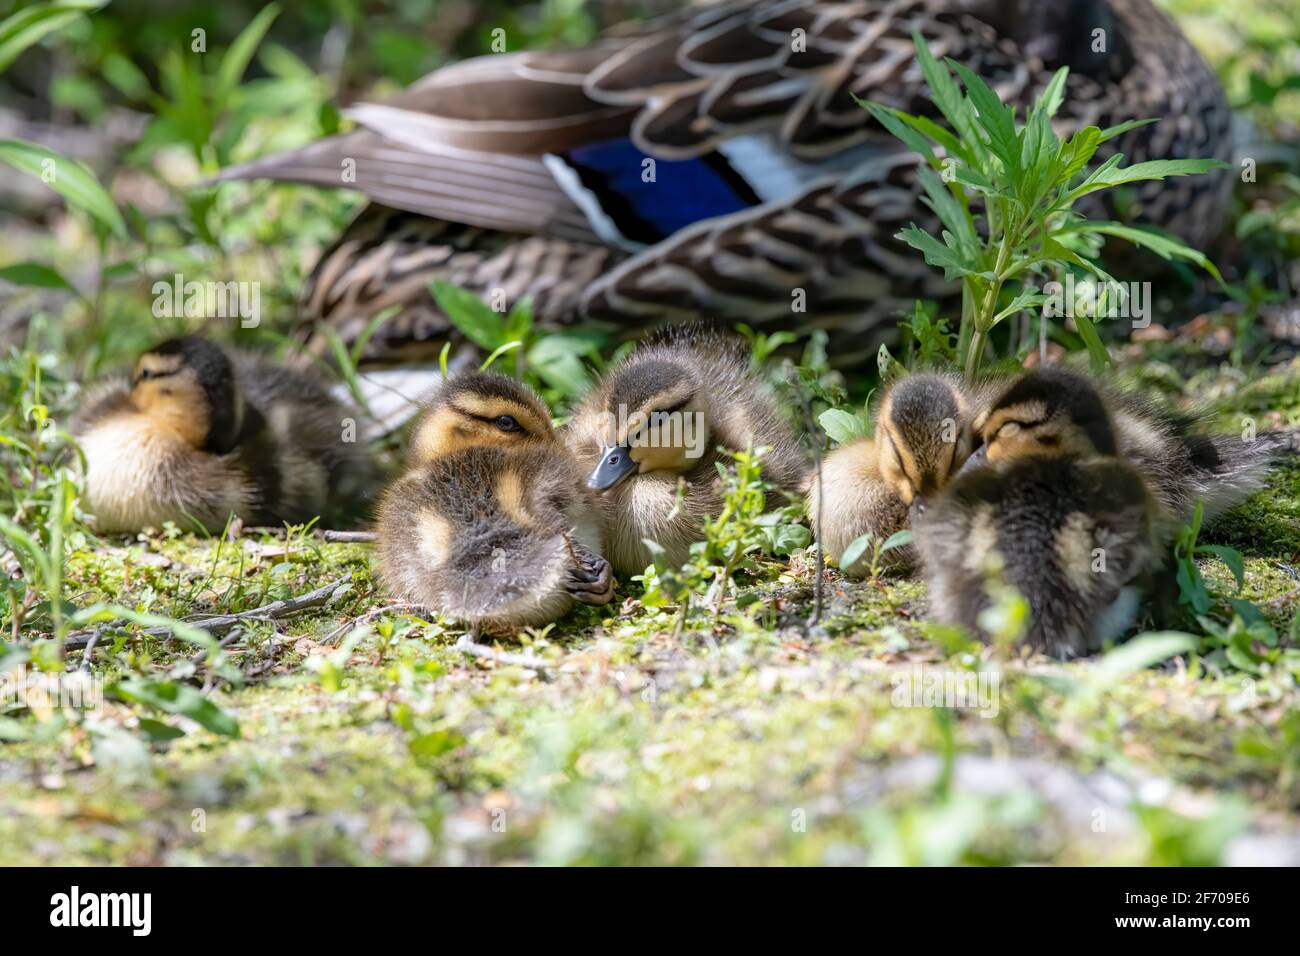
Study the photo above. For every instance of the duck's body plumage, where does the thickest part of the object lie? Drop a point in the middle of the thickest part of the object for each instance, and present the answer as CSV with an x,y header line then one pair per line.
x,y
489,537
716,161
729,403
286,455
1075,537
1073,499
922,436
492,524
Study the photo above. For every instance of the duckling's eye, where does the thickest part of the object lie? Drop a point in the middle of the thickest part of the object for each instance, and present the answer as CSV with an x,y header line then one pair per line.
x,y
507,423
1051,441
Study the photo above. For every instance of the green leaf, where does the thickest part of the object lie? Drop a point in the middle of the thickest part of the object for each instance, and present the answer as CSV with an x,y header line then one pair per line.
x,y
499,351
1110,132
899,539
1229,556
891,120
159,731
945,93
843,427
471,315
1098,355
950,212
855,551
556,359
1053,95
1076,154
1143,651
1111,173
1024,300
181,699
240,53
1161,243
70,179
36,275
997,120
936,253
31,23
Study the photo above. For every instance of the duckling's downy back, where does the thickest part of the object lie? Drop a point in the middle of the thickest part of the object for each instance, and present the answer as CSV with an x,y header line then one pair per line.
x,y
488,536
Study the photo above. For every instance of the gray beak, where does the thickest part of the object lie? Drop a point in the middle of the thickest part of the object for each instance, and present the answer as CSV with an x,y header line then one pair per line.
x,y
615,465
977,460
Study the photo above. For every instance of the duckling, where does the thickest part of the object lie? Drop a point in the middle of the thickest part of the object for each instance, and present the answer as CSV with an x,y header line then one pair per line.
x,y
922,437
1050,505
197,434
1179,461
492,524
655,422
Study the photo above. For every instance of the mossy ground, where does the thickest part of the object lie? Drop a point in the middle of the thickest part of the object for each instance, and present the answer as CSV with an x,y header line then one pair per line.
x,y
761,740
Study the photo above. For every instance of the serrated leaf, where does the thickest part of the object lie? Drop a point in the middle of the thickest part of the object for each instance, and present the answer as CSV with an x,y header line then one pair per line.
x,y
1111,173
996,119
1023,300
935,252
945,93
1162,244
70,179
949,211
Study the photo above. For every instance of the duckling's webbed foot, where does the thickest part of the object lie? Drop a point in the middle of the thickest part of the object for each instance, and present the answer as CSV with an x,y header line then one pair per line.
x,y
591,579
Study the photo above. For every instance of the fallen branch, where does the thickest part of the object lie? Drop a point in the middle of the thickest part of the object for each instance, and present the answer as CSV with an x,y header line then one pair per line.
x,y
221,623
320,534
466,645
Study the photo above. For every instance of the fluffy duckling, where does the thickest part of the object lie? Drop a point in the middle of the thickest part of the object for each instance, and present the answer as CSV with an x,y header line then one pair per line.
x,y
922,437
1049,506
493,524
1178,460
655,422
197,434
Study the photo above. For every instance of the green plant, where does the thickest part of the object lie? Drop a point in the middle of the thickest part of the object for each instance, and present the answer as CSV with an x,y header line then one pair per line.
x,y
878,548
1005,194
732,541
553,363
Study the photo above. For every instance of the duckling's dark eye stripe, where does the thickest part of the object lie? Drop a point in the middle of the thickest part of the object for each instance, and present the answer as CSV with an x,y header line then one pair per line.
x,y
149,374
893,446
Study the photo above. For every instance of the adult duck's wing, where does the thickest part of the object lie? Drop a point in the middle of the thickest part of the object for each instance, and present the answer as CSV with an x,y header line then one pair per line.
x,y
506,141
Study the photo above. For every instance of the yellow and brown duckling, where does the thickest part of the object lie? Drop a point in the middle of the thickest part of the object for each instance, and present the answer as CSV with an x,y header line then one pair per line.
x,y
197,434
922,437
1051,506
649,435
493,524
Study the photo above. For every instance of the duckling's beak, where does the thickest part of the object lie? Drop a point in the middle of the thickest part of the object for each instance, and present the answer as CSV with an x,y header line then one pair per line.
x,y
978,460
615,465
